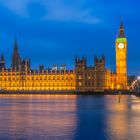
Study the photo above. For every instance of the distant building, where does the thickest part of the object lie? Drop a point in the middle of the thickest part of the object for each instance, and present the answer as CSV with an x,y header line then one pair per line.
x,y
83,78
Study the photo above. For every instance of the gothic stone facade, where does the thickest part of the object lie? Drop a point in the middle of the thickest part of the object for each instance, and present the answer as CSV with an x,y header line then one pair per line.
x,y
93,78
44,80
83,78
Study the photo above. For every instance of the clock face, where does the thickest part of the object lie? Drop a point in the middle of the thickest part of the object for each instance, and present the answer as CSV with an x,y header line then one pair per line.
x,y
121,46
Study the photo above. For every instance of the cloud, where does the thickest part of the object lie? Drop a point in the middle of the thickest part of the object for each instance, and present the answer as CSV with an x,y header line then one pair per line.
x,y
63,12
56,10
16,6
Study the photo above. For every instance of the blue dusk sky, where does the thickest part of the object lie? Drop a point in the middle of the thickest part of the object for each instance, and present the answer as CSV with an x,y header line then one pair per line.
x,y
55,31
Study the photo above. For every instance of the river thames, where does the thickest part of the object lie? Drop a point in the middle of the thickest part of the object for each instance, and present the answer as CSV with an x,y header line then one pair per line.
x,y
69,117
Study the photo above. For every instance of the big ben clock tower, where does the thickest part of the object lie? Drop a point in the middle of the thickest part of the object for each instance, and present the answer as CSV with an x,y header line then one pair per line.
x,y
121,59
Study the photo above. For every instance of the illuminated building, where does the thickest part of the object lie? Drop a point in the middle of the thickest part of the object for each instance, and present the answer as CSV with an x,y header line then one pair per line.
x,y
98,77
93,78
38,80
83,78
21,77
121,59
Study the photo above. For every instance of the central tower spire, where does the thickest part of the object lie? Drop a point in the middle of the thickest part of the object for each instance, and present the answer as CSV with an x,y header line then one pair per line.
x,y
16,61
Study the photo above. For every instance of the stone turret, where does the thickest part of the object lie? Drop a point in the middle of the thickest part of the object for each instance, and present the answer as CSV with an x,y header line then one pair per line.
x,y
100,71
80,68
2,62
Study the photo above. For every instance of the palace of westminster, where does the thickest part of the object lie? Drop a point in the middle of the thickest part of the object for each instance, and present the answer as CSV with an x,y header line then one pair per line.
x,y
83,78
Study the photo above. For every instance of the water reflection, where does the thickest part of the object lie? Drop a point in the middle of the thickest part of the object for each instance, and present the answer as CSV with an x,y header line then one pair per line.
x,y
36,117
121,119
69,117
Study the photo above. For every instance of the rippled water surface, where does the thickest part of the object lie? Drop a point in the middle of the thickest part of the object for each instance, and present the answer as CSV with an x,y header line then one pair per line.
x,y
69,117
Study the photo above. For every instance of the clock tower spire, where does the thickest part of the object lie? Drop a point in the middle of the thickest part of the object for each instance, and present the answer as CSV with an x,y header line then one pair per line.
x,y
121,58
121,33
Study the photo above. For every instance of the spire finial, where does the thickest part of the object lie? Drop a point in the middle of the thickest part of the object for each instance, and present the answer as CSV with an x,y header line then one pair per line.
x,y
121,18
121,23
15,45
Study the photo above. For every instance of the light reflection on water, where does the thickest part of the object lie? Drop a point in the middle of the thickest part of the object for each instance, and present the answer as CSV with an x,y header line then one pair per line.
x,y
69,117
37,117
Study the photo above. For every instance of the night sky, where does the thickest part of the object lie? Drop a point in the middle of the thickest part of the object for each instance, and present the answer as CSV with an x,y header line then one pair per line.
x,y
55,31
